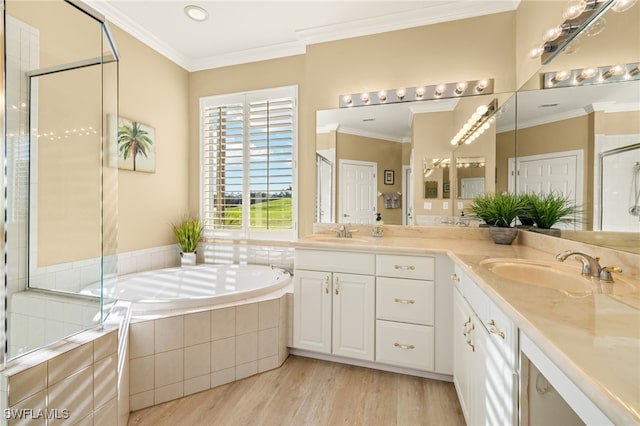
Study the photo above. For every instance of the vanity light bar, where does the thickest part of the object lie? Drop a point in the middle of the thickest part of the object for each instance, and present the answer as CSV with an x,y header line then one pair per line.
x,y
589,76
477,124
559,38
421,93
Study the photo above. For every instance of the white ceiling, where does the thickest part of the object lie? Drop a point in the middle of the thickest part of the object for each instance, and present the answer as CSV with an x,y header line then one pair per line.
x,y
240,31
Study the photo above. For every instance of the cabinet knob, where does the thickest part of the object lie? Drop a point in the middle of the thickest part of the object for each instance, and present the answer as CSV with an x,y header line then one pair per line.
x,y
455,278
401,346
404,301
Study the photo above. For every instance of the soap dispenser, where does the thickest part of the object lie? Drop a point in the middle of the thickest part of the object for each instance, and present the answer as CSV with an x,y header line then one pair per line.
x,y
378,226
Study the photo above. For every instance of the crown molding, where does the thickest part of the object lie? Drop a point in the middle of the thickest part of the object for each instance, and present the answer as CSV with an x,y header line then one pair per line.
x,y
120,19
427,16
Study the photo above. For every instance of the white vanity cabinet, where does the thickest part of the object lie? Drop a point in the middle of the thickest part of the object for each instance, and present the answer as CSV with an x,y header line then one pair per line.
x,y
334,303
405,299
485,348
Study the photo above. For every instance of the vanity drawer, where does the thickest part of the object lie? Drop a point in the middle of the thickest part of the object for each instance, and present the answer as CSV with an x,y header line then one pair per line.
x,y
415,267
335,261
405,300
405,345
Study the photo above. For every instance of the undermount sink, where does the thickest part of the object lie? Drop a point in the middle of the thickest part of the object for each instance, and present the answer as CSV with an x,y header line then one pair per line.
x,y
554,275
338,240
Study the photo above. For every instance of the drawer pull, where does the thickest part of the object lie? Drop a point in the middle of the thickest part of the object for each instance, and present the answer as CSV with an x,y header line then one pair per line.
x,y
337,286
473,347
401,346
326,284
404,301
494,330
455,278
467,322
405,267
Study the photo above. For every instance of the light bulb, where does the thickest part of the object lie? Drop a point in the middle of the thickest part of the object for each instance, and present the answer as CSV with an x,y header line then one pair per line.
x,y
400,93
585,74
461,87
347,99
536,52
552,33
476,116
482,109
440,88
575,9
364,97
623,5
481,86
561,76
614,70
382,95
486,126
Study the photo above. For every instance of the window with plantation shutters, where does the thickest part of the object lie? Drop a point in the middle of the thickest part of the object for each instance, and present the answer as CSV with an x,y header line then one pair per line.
x,y
248,158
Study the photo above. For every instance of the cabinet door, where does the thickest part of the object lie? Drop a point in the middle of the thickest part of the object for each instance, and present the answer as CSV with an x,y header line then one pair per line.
x,y
312,311
353,315
462,350
500,404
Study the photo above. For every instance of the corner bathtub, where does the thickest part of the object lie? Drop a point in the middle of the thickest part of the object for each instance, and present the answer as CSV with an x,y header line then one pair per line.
x,y
193,286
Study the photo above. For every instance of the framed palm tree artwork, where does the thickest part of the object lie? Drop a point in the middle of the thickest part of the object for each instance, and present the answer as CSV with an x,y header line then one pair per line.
x,y
136,146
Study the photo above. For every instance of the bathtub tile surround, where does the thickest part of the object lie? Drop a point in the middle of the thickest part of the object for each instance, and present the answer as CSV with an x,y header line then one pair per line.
x,y
85,364
187,353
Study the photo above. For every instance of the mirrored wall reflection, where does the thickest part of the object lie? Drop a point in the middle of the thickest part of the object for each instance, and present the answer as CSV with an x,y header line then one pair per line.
x,y
420,177
60,199
583,142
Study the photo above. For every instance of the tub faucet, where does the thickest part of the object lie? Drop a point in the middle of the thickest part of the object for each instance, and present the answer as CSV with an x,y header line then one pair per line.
x,y
590,265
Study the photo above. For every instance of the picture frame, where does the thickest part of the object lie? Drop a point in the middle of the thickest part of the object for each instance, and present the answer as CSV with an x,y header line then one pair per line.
x,y
131,145
388,177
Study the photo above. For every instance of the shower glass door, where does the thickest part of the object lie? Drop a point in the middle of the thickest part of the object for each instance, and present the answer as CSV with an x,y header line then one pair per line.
x,y
61,85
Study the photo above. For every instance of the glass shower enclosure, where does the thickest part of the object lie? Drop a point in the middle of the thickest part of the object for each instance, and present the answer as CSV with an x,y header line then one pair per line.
x,y
60,176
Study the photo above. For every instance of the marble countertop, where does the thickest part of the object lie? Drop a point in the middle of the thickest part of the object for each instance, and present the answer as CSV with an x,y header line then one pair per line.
x,y
594,339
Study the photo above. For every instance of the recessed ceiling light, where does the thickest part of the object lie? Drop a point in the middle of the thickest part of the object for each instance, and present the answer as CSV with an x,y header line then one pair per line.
x,y
196,13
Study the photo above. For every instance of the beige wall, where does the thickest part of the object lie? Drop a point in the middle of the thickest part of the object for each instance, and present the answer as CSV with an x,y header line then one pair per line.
x,y
153,90
619,43
483,48
386,154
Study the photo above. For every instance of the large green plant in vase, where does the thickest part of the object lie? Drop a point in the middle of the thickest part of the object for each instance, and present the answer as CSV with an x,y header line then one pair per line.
x,y
499,211
188,233
548,210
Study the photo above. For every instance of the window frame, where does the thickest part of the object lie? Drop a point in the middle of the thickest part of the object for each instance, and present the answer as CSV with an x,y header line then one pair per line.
x,y
246,233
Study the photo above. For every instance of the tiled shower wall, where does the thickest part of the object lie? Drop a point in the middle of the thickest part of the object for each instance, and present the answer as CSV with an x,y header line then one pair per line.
x,y
180,355
76,386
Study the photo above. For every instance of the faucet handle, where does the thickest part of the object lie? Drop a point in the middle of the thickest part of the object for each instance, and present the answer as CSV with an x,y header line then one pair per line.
x,y
605,273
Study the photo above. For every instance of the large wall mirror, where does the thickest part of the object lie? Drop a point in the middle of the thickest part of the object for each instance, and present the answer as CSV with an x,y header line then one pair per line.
x,y
398,160
581,137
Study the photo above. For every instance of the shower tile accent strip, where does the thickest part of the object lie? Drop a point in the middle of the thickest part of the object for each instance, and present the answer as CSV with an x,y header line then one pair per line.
x,y
179,355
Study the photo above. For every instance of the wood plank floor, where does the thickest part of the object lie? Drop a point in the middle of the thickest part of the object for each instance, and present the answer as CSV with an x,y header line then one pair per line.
x,y
306,391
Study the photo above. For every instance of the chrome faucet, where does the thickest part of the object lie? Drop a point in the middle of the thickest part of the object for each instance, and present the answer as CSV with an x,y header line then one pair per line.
x,y
343,231
590,265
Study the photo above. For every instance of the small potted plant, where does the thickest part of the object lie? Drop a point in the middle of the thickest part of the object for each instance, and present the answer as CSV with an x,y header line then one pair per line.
x,y
499,211
188,233
547,210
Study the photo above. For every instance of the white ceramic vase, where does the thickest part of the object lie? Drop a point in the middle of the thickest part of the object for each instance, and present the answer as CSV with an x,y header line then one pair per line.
x,y
187,259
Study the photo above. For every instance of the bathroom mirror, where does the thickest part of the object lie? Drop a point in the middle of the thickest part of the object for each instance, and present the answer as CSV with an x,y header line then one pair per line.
x,y
584,141
61,78
470,181
414,141
600,123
